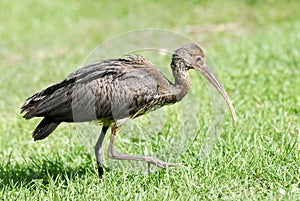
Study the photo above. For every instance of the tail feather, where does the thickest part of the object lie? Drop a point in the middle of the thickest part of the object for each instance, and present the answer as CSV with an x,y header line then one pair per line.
x,y
45,128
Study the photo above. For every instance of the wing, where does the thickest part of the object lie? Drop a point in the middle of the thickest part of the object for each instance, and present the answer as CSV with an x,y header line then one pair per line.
x,y
57,100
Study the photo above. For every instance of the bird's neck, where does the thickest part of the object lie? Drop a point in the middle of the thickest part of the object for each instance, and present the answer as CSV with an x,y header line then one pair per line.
x,y
182,79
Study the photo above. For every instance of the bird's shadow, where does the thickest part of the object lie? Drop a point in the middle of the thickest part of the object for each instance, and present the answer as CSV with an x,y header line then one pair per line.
x,y
45,171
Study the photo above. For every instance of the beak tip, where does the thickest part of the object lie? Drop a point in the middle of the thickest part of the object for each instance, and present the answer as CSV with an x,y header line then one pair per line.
x,y
233,116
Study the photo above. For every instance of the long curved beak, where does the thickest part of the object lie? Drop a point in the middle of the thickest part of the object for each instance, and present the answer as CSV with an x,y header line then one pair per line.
x,y
208,74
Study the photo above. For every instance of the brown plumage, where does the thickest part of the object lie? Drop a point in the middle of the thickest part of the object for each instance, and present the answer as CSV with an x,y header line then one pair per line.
x,y
114,90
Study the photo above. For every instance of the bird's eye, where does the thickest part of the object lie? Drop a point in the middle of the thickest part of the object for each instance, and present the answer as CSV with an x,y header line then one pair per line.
x,y
198,58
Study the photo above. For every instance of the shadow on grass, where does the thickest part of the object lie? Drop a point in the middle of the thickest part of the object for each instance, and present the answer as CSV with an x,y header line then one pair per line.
x,y
44,171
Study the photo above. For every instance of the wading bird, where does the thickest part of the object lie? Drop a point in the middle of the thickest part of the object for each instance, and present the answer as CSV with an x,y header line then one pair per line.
x,y
115,90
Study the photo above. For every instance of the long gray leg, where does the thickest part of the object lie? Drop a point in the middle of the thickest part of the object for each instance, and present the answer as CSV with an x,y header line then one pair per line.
x,y
149,159
98,151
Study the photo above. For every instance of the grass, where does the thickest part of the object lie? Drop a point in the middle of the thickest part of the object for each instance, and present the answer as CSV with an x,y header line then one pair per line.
x,y
255,46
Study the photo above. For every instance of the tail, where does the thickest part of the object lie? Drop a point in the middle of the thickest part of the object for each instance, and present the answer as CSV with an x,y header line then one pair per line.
x,y
45,128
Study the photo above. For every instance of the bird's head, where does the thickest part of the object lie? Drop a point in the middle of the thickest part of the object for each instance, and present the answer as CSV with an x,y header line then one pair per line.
x,y
192,57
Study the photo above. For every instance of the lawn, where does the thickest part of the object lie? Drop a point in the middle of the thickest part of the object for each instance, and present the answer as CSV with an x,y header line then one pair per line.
x,y
256,50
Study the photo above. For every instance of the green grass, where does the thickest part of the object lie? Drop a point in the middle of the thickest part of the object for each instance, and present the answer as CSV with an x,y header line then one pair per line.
x,y
255,46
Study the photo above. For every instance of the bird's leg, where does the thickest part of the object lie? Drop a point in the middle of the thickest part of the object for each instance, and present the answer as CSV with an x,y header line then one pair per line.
x,y
149,159
98,151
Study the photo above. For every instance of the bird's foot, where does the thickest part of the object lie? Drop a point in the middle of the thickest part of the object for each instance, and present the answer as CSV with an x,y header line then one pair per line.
x,y
100,170
159,163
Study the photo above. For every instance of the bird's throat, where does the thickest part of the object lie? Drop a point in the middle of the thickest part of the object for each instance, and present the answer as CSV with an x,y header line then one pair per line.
x,y
182,83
